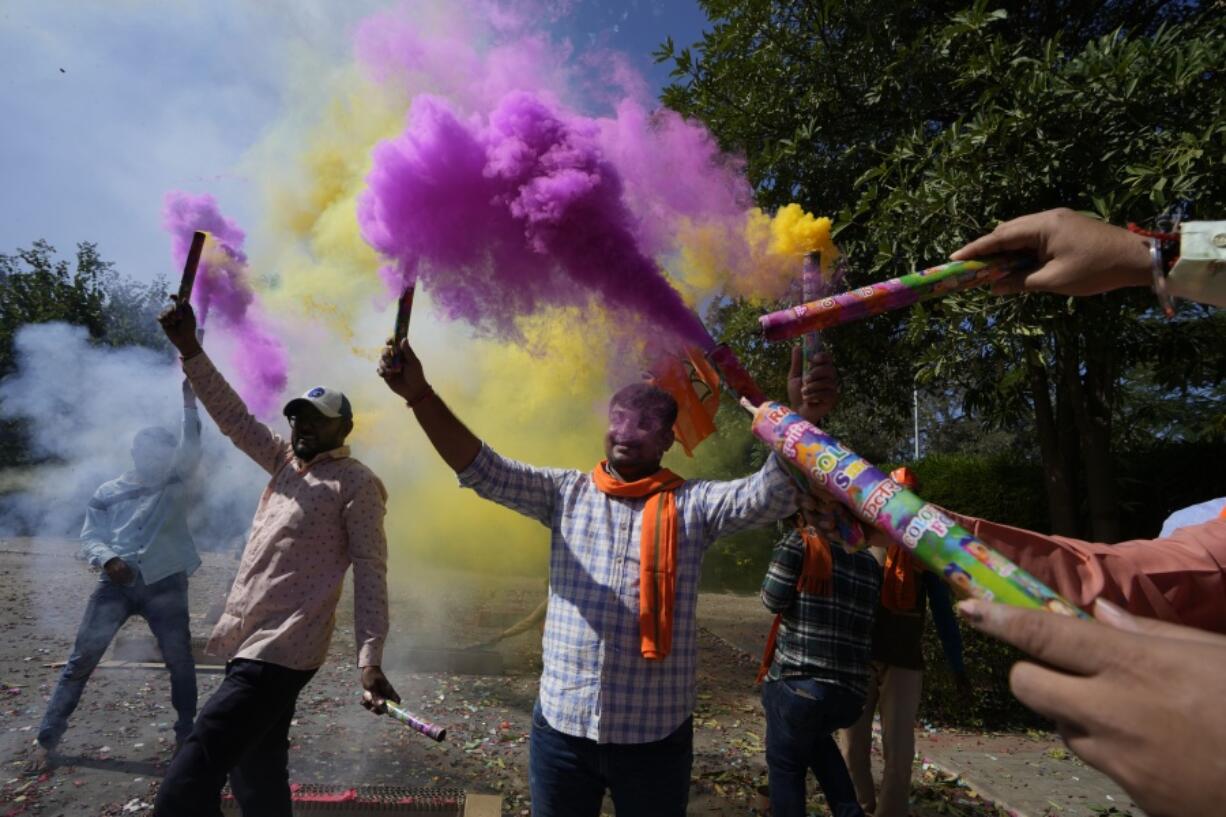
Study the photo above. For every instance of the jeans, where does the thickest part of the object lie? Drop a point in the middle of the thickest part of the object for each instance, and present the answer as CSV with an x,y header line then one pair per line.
x,y
801,714
568,776
242,731
163,605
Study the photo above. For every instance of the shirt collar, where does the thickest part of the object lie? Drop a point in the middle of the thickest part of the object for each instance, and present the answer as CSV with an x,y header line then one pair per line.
x,y
338,453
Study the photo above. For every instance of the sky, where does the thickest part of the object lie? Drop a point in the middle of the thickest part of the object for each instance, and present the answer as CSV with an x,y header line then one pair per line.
x,y
109,104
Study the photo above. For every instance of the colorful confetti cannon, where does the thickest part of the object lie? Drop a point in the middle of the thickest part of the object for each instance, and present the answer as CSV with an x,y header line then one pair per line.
x,y
971,567
437,733
897,293
188,281
738,380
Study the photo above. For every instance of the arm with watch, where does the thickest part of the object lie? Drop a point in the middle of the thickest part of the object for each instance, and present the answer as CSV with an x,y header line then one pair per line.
x,y
1079,255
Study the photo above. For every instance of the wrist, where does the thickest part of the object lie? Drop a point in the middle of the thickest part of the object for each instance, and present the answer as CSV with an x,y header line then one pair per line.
x,y
419,396
190,350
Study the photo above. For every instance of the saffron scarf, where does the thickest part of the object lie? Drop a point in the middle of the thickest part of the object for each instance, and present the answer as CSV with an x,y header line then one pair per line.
x,y
657,553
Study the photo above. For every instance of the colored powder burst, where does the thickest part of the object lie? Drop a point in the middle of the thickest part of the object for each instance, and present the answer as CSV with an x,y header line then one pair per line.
x,y
223,288
508,216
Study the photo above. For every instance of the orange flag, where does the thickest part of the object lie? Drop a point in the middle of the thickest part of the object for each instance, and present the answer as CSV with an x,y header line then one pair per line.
x,y
694,384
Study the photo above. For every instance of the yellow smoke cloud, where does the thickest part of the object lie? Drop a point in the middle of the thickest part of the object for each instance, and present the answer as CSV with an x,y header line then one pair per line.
x,y
761,263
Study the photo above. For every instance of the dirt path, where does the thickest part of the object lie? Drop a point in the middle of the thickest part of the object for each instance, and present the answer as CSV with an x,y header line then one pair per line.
x,y
120,737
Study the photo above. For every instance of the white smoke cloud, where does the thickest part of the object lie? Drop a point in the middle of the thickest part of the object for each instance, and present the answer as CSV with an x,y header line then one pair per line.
x,y
82,404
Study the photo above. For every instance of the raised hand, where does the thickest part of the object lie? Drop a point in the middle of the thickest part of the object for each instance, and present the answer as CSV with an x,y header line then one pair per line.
x,y
179,324
402,371
815,393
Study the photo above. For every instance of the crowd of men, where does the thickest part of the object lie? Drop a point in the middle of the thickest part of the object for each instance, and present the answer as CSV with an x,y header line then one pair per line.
x,y
1135,692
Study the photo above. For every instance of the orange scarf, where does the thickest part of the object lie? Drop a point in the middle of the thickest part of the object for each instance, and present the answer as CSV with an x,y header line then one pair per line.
x,y
657,553
899,589
815,574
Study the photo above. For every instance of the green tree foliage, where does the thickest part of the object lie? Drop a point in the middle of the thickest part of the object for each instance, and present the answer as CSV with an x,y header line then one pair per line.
x,y
921,125
38,287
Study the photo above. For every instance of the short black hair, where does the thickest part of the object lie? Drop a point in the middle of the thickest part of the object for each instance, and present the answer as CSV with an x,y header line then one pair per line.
x,y
650,400
156,435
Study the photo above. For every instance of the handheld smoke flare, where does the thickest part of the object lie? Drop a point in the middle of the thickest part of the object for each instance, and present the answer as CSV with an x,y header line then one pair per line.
x,y
970,566
188,281
886,296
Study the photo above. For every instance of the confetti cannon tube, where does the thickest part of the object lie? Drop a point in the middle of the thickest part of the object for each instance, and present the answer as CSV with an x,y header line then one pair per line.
x,y
437,733
933,538
897,293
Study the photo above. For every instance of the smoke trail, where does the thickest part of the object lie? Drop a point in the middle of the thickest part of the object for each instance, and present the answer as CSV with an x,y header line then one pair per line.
x,y
223,286
508,217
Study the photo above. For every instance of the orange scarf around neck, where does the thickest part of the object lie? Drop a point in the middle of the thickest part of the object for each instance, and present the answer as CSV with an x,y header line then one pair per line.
x,y
815,577
899,588
657,553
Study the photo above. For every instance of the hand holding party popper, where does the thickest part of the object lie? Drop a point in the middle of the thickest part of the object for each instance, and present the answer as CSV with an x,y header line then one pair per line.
x,y
397,712
885,296
933,538
188,281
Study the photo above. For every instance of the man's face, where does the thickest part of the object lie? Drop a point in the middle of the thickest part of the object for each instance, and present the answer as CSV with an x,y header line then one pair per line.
x,y
152,459
311,433
635,441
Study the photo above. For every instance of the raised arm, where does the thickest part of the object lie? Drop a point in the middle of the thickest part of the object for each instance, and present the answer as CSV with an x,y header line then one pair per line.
x,y
402,372
188,455
227,409
515,485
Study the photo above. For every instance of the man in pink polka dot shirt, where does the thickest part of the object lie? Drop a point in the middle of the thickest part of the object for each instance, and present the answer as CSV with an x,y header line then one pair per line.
x,y
321,512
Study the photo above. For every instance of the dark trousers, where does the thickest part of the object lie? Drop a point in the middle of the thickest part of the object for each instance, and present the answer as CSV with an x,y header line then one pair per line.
x,y
801,714
242,731
163,605
568,776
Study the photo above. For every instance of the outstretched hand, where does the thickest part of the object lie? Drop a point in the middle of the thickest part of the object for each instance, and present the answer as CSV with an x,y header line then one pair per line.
x,y
402,371
179,323
1077,255
815,393
1136,698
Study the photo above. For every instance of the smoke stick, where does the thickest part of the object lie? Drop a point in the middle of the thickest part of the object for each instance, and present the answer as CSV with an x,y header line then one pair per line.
x,y
188,281
886,296
970,566
404,309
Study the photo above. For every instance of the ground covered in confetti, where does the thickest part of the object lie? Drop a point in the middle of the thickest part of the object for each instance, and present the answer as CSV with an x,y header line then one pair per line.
x,y
120,738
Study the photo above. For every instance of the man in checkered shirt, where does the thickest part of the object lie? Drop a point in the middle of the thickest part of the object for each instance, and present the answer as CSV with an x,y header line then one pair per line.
x,y
618,685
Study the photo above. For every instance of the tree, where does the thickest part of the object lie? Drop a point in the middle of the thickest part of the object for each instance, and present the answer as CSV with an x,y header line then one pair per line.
x,y
922,124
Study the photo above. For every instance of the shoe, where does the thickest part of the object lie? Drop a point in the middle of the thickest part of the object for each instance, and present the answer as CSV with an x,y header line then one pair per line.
x,y
39,761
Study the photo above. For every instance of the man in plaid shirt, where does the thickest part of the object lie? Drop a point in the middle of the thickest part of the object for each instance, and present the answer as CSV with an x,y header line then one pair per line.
x,y
817,676
618,685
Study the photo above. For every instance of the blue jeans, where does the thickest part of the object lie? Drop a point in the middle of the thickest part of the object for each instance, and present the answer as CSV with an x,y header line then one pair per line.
x,y
801,714
568,776
163,605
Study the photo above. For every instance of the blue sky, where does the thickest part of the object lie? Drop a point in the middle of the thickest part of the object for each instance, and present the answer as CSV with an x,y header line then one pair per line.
x,y
110,103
